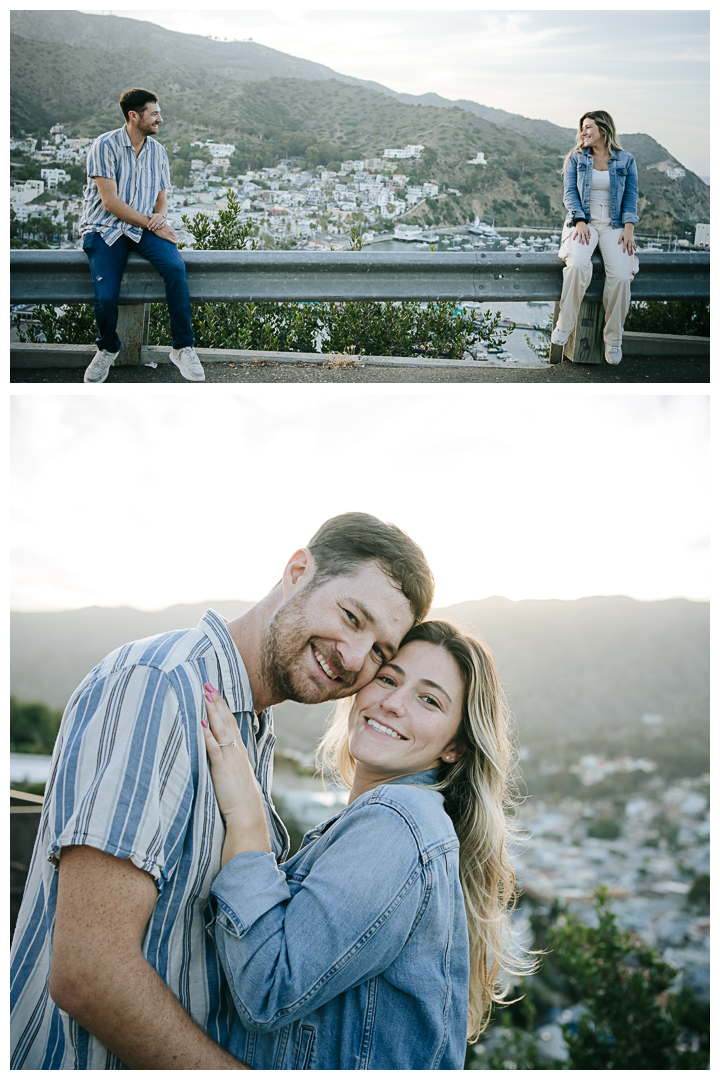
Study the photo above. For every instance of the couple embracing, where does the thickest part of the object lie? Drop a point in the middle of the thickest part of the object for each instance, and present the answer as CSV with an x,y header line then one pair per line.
x,y
164,927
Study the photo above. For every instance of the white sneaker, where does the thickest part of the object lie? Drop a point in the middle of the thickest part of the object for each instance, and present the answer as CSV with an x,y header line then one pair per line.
x,y
560,337
613,354
97,369
186,360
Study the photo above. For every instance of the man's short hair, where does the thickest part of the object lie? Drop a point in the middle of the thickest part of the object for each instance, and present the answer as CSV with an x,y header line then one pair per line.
x,y
348,541
137,100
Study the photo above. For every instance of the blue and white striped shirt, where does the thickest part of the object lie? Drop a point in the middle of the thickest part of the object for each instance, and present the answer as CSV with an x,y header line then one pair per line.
x,y
129,776
139,181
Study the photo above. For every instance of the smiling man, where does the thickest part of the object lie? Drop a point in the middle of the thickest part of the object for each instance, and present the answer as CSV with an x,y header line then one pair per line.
x,y
124,210
111,962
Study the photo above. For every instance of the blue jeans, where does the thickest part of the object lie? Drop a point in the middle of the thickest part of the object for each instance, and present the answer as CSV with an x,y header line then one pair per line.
x,y
106,266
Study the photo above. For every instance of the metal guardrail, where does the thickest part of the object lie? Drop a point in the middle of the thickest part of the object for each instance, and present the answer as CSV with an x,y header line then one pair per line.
x,y
63,277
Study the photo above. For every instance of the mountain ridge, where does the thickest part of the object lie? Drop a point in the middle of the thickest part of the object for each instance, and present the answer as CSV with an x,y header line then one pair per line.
x,y
71,67
569,666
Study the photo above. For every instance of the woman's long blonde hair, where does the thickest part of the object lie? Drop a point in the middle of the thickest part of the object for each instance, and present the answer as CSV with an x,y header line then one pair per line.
x,y
607,126
477,790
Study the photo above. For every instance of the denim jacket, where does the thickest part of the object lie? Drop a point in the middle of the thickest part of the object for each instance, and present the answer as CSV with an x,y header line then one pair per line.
x,y
354,953
623,187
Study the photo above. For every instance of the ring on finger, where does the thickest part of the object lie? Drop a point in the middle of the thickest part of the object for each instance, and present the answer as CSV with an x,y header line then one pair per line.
x,y
233,743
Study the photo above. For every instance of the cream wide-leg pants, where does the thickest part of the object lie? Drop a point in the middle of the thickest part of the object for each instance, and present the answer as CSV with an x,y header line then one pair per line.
x,y
620,268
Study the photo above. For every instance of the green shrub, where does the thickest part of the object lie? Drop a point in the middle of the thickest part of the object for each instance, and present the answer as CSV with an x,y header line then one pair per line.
x,y
272,327
687,317
699,895
33,727
604,829
633,1019
75,325
370,328
224,233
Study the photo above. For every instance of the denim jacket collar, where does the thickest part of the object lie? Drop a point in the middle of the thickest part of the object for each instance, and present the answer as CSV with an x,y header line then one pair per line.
x,y
421,779
613,156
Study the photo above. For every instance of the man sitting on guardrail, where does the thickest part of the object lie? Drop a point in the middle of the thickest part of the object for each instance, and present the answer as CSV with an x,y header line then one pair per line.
x,y
124,210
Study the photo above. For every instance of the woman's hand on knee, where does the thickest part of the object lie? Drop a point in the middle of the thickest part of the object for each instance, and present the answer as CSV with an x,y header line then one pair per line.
x,y
581,232
627,239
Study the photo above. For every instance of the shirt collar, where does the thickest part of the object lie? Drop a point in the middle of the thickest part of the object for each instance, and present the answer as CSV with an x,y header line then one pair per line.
x,y
125,140
235,681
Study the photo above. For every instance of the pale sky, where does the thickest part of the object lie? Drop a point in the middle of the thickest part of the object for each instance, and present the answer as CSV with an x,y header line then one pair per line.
x,y
648,68
524,492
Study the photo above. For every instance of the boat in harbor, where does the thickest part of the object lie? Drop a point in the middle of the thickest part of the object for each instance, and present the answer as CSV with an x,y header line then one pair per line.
x,y
414,233
481,228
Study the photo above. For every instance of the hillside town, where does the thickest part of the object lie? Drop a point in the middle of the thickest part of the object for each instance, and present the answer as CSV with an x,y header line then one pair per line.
x,y
654,857
289,206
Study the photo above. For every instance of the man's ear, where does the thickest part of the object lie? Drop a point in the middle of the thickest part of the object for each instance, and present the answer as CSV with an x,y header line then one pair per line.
x,y
298,572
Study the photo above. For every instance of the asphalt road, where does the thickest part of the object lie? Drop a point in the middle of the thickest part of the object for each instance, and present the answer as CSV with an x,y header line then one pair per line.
x,y
631,370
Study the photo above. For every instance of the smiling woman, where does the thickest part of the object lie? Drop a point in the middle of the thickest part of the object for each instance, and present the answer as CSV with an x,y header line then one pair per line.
x,y
407,719
401,899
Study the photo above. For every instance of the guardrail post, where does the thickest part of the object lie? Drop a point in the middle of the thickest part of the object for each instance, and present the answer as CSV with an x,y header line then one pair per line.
x,y
133,326
586,344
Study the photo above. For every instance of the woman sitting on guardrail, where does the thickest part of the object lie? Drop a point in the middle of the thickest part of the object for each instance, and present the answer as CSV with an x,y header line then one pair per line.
x,y
601,194
383,941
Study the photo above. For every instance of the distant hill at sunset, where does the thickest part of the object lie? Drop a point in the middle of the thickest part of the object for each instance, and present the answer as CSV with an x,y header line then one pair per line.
x,y
572,669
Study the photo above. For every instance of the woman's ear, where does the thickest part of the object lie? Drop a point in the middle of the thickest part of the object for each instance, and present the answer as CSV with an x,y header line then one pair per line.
x,y
453,752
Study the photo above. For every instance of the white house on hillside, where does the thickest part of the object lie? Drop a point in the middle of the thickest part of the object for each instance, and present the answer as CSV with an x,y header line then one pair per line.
x,y
53,177
220,150
26,191
410,151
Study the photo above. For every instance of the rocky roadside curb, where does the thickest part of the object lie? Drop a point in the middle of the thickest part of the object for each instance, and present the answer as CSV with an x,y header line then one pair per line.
x,y
368,370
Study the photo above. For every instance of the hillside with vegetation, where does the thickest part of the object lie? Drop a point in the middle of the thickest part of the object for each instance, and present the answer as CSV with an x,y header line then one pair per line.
x,y
71,68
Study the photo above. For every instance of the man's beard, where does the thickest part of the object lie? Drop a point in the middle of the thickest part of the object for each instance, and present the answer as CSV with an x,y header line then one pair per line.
x,y
284,644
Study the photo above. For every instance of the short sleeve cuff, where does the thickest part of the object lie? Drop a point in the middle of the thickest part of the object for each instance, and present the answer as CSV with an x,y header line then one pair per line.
x,y
143,860
245,889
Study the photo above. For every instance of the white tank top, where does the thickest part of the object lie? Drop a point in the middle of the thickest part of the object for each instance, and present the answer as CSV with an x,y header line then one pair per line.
x,y
600,195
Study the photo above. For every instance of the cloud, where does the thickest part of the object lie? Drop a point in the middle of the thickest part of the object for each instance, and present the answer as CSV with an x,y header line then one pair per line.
x,y
166,499
652,73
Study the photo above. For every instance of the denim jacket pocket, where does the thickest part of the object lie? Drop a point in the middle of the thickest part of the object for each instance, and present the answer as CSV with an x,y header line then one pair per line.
x,y
306,1042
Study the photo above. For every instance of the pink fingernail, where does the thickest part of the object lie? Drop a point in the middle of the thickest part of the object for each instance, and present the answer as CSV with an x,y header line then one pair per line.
x,y
204,722
208,685
208,697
